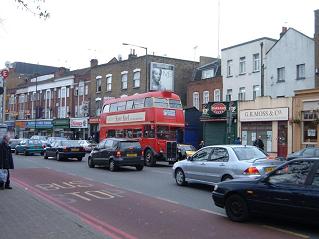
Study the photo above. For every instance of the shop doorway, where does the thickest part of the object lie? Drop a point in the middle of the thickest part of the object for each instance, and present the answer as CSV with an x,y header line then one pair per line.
x,y
252,130
282,145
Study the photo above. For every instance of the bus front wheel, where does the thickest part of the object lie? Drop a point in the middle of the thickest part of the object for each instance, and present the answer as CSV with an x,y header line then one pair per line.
x,y
149,158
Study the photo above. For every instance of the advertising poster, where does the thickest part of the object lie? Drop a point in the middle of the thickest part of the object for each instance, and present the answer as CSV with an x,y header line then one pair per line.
x,y
161,77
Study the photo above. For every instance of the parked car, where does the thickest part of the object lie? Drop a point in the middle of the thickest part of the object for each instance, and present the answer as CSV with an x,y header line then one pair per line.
x,y
291,190
304,153
64,149
213,164
50,140
87,145
185,150
29,146
114,152
13,143
42,138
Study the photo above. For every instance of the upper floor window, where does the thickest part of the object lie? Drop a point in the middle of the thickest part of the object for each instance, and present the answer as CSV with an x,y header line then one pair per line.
x,y
136,78
229,95
98,83
124,80
241,94
255,91
229,67
256,62
242,65
196,99
300,71
208,73
86,89
205,97
217,95
109,82
281,74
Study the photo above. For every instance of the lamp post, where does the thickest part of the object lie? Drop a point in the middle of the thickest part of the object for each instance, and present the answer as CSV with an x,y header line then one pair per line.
x,y
146,62
36,100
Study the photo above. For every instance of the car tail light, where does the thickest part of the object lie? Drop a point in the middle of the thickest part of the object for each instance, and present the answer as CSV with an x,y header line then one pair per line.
x,y
43,146
251,171
82,149
118,154
142,153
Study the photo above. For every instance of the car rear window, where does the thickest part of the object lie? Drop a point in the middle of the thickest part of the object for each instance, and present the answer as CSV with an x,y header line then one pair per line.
x,y
34,142
70,143
130,144
248,153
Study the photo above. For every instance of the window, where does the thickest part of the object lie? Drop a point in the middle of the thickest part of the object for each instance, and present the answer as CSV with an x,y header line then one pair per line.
x,y
148,102
196,100
202,155
216,95
315,181
138,104
208,74
281,74
109,83
98,106
149,131
124,81
86,89
129,105
67,92
176,104
255,91
242,65
205,97
300,71
294,173
136,79
229,95
220,155
256,62
229,68
98,83
310,132
59,93
241,94
160,102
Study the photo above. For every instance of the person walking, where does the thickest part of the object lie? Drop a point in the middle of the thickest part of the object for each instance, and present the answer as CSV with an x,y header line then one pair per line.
x,y
201,144
237,140
6,160
259,143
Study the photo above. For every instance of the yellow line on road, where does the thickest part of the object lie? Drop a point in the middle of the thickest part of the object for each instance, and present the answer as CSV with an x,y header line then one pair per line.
x,y
287,231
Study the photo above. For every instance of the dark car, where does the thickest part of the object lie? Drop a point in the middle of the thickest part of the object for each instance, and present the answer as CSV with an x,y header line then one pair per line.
x,y
64,149
304,153
13,143
29,146
291,191
114,152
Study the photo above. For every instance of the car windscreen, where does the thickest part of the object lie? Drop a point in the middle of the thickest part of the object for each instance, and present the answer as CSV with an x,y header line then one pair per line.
x,y
70,143
34,141
248,153
129,144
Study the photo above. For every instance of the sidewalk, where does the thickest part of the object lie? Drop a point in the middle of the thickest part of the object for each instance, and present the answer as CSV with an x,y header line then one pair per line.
x,y
25,216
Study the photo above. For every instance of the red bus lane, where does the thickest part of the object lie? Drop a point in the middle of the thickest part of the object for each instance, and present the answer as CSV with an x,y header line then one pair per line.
x,y
123,214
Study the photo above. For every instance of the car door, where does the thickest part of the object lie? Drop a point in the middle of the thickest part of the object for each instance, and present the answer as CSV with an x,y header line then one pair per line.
x,y
97,155
50,149
108,150
217,165
195,168
282,192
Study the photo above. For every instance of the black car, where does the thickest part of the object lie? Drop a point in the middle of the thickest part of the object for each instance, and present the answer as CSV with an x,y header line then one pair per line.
x,y
115,152
310,152
291,190
64,149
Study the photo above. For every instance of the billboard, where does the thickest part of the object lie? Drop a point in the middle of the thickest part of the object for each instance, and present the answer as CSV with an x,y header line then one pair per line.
x,y
161,76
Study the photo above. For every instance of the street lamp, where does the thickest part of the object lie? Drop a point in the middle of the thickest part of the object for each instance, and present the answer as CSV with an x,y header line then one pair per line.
x,y
146,61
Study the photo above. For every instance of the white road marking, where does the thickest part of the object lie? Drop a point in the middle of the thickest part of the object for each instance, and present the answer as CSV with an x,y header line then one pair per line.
x,y
287,231
156,171
212,212
167,200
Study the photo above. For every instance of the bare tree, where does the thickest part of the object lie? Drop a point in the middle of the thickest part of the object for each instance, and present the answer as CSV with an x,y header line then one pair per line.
x,y
34,6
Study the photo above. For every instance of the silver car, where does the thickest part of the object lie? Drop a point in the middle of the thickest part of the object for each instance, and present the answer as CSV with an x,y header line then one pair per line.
x,y
217,163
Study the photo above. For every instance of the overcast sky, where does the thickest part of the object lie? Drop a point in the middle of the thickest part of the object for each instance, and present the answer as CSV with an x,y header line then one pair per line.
x,y
79,30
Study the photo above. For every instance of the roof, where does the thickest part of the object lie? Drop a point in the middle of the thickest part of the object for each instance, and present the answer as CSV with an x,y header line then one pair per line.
x,y
29,69
215,65
248,42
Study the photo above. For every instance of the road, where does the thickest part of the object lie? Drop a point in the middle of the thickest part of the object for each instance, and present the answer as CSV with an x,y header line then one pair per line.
x,y
139,204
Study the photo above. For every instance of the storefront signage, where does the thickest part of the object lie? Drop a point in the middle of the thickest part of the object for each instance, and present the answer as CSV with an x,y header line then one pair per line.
x,y
275,114
218,108
125,118
39,124
78,123
20,124
61,123
94,120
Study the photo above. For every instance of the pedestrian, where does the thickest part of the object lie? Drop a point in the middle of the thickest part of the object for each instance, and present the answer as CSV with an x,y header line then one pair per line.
x,y
259,143
237,140
201,144
6,161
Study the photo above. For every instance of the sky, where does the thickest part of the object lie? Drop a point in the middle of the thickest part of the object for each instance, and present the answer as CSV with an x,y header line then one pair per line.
x,y
78,31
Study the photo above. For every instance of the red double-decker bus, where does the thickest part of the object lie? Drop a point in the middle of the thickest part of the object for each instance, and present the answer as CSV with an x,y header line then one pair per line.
x,y
155,118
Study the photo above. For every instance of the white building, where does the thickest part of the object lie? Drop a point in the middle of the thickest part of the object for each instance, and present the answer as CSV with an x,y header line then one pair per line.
x,y
241,69
290,64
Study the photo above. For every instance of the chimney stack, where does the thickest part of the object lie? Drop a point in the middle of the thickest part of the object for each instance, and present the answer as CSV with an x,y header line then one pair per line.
x,y
94,63
283,31
316,38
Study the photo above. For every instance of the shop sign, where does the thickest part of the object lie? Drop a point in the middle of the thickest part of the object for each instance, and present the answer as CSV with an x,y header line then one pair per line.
x,y
78,123
61,123
20,124
219,109
94,120
39,124
275,114
125,118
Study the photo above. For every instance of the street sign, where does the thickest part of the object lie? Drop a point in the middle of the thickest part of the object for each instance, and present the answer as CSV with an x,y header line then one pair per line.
x,y
4,73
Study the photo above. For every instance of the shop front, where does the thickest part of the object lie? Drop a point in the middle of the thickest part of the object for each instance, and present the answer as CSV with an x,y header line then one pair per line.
x,y
219,122
94,128
20,127
61,128
11,128
305,119
39,127
269,119
79,126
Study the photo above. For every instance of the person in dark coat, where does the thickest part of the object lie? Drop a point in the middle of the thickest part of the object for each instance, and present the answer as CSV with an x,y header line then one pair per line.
x,y
201,144
237,140
6,160
259,143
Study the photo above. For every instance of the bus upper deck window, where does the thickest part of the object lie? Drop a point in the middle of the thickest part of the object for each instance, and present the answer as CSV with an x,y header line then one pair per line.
x,y
148,102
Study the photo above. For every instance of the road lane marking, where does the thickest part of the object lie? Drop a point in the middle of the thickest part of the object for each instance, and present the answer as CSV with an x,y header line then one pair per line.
x,y
212,212
156,171
287,231
167,200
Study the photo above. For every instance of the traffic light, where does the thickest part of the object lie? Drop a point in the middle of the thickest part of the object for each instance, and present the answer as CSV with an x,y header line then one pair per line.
x,y
1,90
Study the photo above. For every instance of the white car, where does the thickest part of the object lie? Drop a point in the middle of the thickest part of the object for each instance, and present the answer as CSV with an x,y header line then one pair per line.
x,y
87,145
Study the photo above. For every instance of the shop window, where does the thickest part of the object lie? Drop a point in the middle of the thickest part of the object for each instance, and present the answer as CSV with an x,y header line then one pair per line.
x,y
309,132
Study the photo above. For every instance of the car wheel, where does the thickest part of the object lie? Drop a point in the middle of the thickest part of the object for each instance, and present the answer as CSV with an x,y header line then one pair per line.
x,y
79,158
58,157
25,153
112,166
180,177
90,162
149,158
227,178
45,156
139,167
236,208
